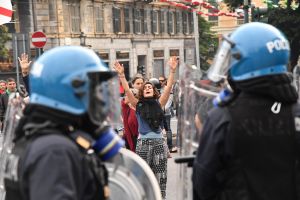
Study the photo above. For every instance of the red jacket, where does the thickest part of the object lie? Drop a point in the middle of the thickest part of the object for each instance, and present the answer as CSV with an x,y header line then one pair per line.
x,y
130,125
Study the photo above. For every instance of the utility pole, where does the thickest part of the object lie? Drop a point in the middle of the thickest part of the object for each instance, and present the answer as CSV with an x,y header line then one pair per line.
x,y
196,35
38,51
246,9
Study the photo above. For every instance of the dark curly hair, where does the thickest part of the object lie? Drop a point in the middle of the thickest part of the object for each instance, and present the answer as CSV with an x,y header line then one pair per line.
x,y
156,94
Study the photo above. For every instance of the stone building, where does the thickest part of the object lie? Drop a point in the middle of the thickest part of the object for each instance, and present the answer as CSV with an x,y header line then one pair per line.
x,y
134,32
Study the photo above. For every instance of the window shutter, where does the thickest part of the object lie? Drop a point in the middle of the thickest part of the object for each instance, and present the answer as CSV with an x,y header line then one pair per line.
x,y
127,20
178,21
99,19
134,20
142,15
162,21
184,23
169,22
146,14
154,22
116,20
191,21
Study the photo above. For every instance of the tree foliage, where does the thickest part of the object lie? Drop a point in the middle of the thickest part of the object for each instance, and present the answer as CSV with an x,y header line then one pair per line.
x,y
208,43
288,21
286,17
4,37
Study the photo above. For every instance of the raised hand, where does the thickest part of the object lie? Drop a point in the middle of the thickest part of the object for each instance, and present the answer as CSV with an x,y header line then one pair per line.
x,y
119,68
24,63
173,62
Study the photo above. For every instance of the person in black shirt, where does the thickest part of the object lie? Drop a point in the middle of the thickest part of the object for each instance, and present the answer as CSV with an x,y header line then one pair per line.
x,y
64,136
249,146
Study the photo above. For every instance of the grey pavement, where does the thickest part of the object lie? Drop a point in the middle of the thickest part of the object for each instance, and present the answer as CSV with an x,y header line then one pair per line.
x,y
173,178
173,183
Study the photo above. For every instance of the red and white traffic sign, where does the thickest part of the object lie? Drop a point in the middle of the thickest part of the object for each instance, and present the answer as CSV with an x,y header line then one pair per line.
x,y
38,39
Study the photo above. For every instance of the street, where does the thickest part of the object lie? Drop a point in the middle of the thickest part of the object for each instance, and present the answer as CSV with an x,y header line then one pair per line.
x,y
173,183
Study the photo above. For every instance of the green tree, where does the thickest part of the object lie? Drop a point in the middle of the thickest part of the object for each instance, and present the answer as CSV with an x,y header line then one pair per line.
x,y
208,43
288,21
4,37
284,15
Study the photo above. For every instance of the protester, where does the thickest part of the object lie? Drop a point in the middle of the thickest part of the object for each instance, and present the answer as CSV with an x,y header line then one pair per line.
x,y
130,122
167,116
148,105
2,86
249,147
25,67
11,88
64,136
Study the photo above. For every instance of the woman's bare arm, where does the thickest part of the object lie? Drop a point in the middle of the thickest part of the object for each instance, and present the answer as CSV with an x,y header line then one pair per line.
x,y
173,62
120,69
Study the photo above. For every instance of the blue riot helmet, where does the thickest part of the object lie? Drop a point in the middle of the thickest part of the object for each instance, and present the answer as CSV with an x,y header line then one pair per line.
x,y
253,50
74,80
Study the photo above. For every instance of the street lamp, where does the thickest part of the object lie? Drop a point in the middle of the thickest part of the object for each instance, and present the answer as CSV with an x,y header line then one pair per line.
x,y
82,38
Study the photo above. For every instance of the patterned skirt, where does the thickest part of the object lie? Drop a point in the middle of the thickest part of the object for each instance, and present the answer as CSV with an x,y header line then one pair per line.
x,y
154,152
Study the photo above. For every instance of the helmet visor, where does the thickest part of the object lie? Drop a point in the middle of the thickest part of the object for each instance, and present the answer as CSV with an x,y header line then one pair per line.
x,y
220,66
104,99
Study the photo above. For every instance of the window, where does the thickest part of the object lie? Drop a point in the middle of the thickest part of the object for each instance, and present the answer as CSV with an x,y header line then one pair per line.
x,y
52,16
138,16
155,29
146,19
191,22
75,18
185,22
117,20
98,10
127,20
121,20
52,10
171,22
66,16
71,12
162,21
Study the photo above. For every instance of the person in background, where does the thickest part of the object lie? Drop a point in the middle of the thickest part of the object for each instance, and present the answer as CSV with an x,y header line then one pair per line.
x,y
2,86
130,122
25,67
167,116
149,112
137,82
11,88
249,147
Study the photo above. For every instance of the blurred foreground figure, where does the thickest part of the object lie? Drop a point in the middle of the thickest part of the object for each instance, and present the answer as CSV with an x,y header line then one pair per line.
x,y
249,147
64,136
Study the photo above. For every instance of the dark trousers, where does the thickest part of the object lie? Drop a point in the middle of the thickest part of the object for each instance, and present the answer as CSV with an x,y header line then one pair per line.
x,y
167,127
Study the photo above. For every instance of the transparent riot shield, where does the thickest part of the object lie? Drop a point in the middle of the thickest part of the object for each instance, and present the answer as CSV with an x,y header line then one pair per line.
x,y
130,178
196,100
296,78
13,115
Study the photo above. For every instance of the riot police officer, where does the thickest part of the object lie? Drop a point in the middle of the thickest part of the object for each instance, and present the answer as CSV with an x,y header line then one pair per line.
x,y
248,148
64,136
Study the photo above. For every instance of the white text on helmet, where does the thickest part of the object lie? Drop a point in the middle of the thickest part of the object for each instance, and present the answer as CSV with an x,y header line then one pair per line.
x,y
278,45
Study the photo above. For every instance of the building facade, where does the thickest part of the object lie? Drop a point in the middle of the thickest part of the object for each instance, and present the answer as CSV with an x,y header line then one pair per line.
x,y
135,33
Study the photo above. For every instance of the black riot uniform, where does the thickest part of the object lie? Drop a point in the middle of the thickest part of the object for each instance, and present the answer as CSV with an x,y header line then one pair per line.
x,y
51,163
249,147
64,135
247,153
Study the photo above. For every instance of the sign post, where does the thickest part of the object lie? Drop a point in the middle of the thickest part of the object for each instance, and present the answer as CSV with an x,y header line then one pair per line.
x,y
39,39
